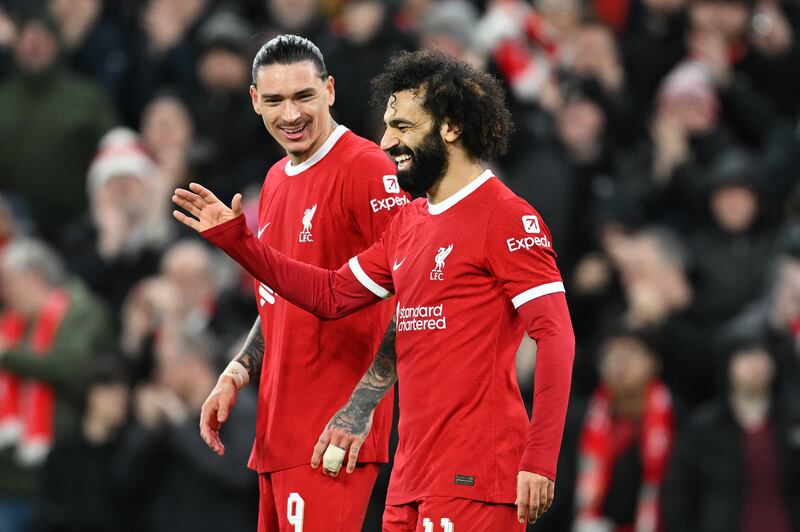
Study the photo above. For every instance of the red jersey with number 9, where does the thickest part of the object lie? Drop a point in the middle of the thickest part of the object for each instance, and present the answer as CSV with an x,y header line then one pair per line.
x,y
322,212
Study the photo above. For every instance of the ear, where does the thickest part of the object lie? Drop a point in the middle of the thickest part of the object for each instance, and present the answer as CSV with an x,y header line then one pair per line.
x,y
254,99
449,131
331,91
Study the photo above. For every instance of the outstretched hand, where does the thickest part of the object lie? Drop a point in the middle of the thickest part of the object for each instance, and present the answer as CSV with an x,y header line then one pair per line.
x,y
208,211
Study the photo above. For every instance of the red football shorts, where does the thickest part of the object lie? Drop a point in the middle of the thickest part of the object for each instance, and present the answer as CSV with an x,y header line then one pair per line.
x,y
447,514
302,499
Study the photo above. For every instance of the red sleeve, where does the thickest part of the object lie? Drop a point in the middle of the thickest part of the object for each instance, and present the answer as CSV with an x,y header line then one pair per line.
x,y
519,252
325,293
374,195
371,267
547,321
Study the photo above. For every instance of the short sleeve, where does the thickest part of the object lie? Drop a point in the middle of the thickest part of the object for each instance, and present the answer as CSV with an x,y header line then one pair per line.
x,y
371,267
375,195
519,252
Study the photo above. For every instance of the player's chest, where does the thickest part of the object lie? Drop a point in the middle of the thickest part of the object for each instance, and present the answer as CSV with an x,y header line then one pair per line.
x,y
434,259
296,214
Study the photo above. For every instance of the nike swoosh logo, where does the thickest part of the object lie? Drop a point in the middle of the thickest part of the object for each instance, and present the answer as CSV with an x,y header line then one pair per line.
x,y
398,264
260,231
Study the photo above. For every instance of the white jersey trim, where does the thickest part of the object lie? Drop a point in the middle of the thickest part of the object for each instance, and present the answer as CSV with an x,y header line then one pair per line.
x,y
323,150
364,279
538,291
439,208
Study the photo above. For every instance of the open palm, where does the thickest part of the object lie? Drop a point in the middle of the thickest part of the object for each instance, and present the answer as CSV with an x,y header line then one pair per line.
x,y
208,211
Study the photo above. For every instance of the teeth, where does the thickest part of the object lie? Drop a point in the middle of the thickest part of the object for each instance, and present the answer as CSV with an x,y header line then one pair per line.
x,y
402,158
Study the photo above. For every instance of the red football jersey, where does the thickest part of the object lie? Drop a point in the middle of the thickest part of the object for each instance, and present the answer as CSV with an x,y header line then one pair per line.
x,y
321,212
460,268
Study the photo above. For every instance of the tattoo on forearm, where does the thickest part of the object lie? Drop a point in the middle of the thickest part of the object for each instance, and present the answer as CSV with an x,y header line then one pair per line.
x,y
252,354
355,417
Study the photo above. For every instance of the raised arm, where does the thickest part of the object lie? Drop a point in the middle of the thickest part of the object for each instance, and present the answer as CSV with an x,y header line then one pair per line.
x,y
243,369
325,293
348,428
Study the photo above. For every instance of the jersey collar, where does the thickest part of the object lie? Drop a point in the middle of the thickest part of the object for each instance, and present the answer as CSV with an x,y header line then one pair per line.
x,y
439,208
323,150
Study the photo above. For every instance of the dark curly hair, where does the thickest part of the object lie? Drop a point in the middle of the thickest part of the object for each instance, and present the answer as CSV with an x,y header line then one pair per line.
x,y
453,90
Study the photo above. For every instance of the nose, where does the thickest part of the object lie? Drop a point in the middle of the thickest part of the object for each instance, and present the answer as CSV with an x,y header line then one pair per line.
x,y
389,140
290,112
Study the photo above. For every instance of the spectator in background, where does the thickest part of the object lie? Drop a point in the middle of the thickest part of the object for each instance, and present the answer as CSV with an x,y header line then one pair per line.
x,y
122,237
298,17
94,46
731,252
737,464
448,26
652,43
51,329
163,54
667,171
167,130
51,130
625,441
80,487
232,150
185,298
747,43
176,483
364,37
659,299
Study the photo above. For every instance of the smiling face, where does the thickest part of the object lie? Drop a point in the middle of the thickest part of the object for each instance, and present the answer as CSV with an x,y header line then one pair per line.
x,y
414,141
294,102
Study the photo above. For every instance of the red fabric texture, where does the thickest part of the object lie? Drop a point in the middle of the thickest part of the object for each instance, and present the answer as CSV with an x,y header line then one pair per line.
x,y
319,502
455,274
459,515
320,213
597,452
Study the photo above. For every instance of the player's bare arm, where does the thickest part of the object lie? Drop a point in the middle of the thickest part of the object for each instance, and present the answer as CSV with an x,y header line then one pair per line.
x,y
243,369
348,428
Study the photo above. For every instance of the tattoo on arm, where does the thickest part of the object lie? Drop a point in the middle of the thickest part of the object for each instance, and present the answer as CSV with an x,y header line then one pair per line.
x,y
355,417
252,354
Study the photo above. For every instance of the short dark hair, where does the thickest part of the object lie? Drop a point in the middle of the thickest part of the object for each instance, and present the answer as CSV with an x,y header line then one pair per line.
x,y
453,90
287,50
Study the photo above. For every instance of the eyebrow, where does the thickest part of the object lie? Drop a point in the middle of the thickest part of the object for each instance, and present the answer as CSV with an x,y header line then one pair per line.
x,y
397,122
308,91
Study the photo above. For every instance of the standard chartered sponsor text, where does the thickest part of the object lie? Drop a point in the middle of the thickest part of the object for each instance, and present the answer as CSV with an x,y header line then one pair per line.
x,y
421,318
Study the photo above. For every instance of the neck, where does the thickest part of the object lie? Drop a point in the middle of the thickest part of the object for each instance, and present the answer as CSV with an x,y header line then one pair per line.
x,y
461,171
628,405
750,409
300,158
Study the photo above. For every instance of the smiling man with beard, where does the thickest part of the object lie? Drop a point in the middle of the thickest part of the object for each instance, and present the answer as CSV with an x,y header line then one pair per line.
x,y
472,267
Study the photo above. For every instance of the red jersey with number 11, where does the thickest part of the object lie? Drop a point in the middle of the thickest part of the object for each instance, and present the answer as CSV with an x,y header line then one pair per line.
x,y
459,270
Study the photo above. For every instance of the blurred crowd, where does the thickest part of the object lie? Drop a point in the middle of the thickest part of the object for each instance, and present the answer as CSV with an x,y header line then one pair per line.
x,y
657,138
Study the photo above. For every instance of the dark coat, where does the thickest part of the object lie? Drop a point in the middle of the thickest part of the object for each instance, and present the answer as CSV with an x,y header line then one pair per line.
x,y
706,482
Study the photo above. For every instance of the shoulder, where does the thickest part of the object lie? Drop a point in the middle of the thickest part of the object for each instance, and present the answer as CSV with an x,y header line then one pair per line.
x,y
363,153
504,206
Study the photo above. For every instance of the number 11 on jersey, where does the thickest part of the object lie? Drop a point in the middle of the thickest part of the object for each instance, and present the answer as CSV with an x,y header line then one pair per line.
x,y
447,525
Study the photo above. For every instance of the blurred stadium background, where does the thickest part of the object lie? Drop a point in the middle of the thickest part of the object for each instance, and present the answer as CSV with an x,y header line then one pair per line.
x,y
658,139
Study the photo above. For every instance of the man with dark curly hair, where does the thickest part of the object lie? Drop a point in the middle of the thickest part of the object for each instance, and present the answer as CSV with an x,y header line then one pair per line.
x,y
473,267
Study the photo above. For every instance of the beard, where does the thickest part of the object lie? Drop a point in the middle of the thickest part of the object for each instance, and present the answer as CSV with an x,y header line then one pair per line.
x,y
428,163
